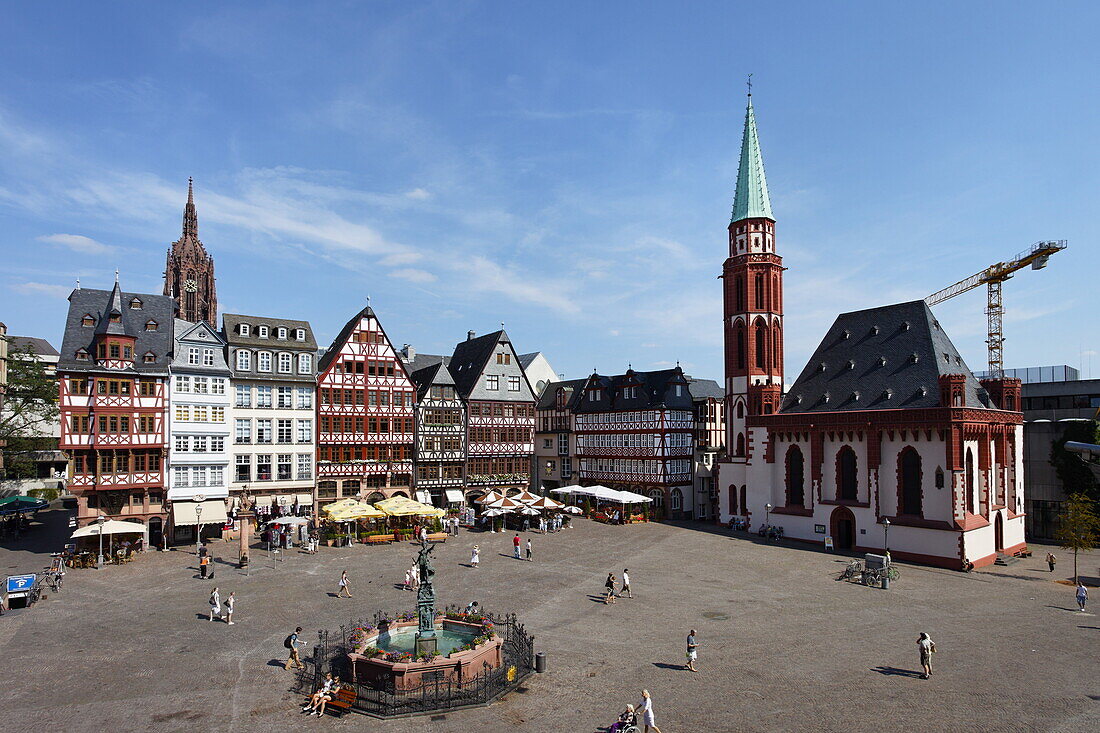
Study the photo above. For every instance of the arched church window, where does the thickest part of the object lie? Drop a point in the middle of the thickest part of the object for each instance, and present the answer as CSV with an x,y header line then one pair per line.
x,y
739,345
740,409
909,469
758,287
796,491
739,293
939,477
846,481
970,480
761,347
740,445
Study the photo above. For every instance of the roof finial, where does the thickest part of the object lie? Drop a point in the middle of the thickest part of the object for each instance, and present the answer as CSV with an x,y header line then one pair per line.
x,y
78,283
116,276
502,325
368,300
191,181
190,215
749,84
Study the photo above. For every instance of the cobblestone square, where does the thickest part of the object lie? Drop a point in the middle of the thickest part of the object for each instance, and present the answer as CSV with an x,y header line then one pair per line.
x,y
783,645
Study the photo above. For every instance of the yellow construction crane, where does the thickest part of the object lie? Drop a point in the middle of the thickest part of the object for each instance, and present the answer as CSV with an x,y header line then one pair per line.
x,y
992,276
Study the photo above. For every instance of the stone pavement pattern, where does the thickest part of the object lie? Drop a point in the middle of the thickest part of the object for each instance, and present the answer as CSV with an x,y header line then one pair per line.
x,y
783,646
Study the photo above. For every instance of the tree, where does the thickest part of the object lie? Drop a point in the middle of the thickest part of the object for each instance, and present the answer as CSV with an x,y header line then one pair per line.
x,y
29,410
1080,528
1072,469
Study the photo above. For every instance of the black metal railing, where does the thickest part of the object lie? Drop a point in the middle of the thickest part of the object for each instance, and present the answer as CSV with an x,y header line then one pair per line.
x,y
330,654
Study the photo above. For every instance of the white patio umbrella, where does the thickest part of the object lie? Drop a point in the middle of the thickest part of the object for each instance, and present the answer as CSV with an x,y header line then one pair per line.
x,y
573,510
528,510
111,526
493,512
287,521
545,502
505,503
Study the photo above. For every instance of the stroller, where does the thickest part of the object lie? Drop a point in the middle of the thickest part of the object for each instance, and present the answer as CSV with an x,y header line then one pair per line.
x,y
627,722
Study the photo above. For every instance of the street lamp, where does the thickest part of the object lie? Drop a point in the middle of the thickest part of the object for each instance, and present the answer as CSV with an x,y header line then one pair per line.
x,y
767,517
886,534
99,562
198,528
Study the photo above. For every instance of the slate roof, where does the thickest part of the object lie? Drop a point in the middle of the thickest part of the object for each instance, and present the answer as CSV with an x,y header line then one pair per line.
x,y
886,355
549,396
526,359
436,374
333,350
35,345
702,389
654,390
99,304
230,322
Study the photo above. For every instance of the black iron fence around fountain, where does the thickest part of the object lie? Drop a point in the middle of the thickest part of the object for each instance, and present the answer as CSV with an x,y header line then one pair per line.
x,y
330,654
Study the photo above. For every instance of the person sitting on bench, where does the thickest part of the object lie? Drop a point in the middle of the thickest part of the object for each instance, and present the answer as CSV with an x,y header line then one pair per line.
x,y
316,704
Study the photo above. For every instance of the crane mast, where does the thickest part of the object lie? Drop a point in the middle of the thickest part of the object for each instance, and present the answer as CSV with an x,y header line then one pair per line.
x,y
993,277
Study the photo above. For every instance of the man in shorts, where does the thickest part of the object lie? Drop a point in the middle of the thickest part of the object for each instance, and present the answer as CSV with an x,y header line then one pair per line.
x,y
692,651
292,643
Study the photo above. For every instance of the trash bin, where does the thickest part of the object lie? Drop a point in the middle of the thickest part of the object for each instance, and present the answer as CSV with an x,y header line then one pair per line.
x,y
886,582
540,662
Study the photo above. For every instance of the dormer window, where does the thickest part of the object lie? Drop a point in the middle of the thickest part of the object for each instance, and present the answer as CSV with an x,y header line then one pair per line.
x,y
87,321
855,396
822,367
281,333
299,334
262,332
244,329
150,325
135,304
149,358
914,357
887,394
825,397
82,355
679,390
116,318
594,395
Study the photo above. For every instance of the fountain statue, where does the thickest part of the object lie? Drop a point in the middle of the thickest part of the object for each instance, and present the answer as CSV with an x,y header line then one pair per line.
x,y
425,602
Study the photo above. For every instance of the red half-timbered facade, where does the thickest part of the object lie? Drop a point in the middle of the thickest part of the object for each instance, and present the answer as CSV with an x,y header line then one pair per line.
x,y
113,373
500,414
365,414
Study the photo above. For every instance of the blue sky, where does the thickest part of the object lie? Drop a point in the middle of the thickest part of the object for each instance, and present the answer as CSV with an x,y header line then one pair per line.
x,y
566,168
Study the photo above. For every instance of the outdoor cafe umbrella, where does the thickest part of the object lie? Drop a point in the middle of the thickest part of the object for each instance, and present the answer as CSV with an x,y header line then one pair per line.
x,y
506,503
493,512
400,506
359,510
21,504
573,510
111,526
545,502
339,505
525,497
489,498
286,521
531,511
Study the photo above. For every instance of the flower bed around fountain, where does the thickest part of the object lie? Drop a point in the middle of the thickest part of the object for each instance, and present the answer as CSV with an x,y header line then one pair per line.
x,y
381,657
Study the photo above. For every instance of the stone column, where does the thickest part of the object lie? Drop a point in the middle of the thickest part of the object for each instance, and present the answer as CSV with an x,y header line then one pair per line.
x,y
244,520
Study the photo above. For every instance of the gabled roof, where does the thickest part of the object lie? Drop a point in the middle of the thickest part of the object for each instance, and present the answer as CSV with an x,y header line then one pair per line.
x,y
549,398
111,310
702,389
654,390
435,374
526,359
751,199
185,329
470,358
333,350
40,347
885,358
89,301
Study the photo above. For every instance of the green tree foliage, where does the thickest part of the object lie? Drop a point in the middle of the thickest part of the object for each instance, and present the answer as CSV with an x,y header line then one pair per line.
x,y
29,410
1080,530
1072,469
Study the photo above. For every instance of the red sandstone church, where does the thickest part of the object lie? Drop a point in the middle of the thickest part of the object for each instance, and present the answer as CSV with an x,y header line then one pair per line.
x,y
885,422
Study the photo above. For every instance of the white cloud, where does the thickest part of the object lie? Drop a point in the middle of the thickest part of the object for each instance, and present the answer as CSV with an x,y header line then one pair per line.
x,y
33,288
414,275
484,275
77,243
418,194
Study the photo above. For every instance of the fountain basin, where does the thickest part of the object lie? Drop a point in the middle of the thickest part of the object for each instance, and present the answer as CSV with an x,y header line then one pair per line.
x,y
402,674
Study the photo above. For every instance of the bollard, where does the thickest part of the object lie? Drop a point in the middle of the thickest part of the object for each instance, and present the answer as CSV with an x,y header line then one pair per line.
x,y
885,582
540,662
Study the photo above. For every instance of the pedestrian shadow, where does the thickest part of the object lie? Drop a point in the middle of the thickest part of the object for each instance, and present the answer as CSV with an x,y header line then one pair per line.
x,y
466,565
333,595
1097,628
665,665
596,599
1063,608
202,616
276,663
895,671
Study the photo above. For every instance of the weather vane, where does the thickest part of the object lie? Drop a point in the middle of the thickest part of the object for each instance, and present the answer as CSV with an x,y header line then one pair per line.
x,y
749,83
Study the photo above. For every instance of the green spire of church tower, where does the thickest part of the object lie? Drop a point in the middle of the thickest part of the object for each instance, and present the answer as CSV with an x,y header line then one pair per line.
x,y
751,200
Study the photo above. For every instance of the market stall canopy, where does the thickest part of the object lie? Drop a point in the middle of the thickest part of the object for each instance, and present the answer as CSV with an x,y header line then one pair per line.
x,y
574,489
21,504
573,510
493,512
424,497
287,521
629,497
488,498
187,512
400,506
111,526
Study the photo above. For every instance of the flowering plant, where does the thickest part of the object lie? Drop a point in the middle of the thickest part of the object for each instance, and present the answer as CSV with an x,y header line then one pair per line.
x,y
398,656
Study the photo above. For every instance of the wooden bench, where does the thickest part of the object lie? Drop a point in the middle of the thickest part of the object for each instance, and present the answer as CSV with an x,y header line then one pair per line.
x,y
342,701
379,539
437,537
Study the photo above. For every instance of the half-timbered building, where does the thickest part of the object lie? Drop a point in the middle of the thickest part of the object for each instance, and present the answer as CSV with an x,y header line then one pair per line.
x,y
198,457
365,413
555,434
500,413
885,441
273,366
635,432
440,451
708,402
113,396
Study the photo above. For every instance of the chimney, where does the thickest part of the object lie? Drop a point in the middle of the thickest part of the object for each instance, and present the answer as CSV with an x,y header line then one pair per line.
x,y
470,335
408,352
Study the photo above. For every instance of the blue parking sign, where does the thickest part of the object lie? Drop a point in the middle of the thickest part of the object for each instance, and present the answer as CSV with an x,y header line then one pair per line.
x,y
20,583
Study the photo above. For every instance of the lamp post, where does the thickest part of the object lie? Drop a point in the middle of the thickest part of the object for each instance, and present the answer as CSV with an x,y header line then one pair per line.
x,y
886,534
99,561
198,528
767,519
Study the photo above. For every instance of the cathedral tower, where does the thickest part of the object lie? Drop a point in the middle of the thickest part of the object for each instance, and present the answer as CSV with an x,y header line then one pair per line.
x,y
189,273
753,299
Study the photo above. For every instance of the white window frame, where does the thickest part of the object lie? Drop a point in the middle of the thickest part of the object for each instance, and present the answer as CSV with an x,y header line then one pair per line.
x,y
305,363
263,361
244,360
281,333
492,382
262,331
243,395
285,362
245,329
193,355
514,384
299,334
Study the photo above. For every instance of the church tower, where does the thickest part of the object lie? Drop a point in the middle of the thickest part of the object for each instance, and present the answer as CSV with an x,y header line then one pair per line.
x,y
753,300
189,273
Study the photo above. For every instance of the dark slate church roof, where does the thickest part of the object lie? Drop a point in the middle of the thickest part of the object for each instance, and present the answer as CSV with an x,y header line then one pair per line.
x,y
883,358
654,390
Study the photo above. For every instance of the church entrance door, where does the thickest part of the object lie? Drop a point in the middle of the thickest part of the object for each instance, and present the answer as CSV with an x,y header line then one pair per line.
x,y
843,527
999,533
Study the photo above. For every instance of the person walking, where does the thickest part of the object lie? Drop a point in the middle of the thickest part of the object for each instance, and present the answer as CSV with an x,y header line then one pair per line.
x,y
292,643
229,603
528,549
515,547
609,584
626,585
645,708
204,566
345,586
926,647
475,556
215,603
1082,596
1051,560
408,578
692,651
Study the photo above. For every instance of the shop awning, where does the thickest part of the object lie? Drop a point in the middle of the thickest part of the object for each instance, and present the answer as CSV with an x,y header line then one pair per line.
x,y
185,513
263,501
454,496
305,499
424,497
284,500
